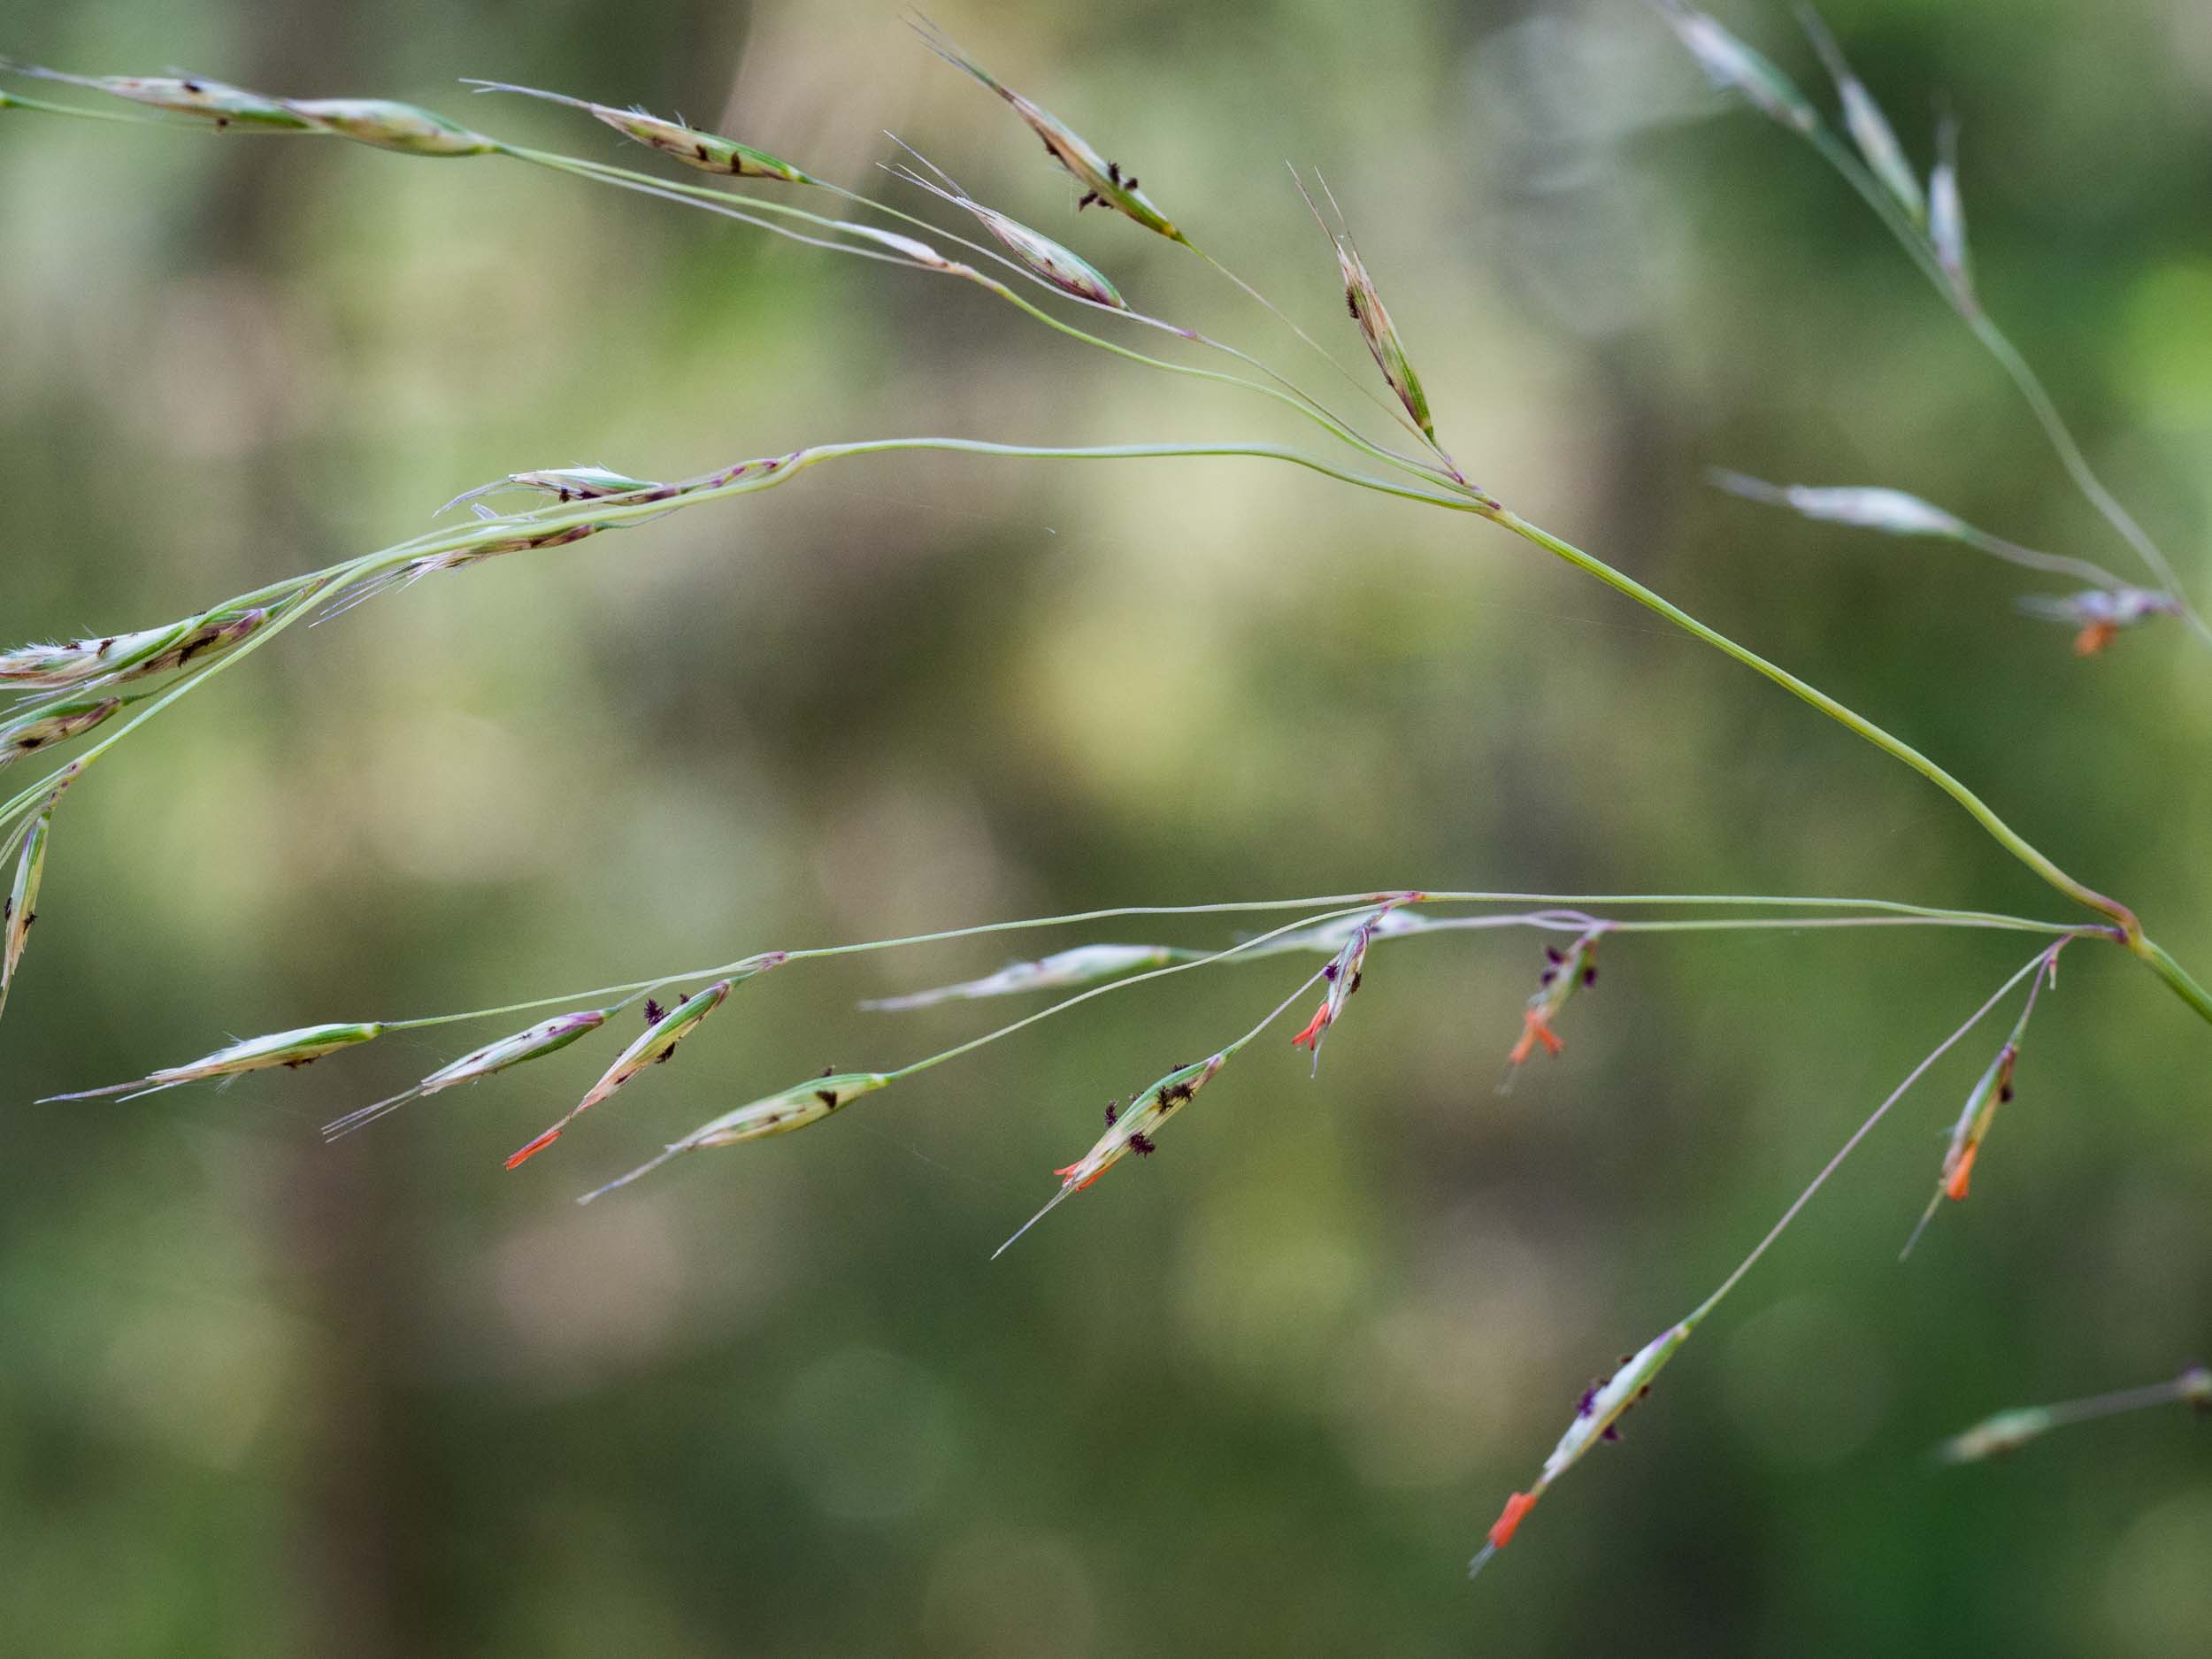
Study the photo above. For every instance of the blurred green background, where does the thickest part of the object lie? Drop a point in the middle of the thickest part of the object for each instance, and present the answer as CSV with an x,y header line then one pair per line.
x,y
1261,1394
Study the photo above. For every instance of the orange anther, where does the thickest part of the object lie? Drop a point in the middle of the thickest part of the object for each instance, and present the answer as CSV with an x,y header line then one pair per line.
x,y
1501,1530
1962,1172
2094,637
1314,1028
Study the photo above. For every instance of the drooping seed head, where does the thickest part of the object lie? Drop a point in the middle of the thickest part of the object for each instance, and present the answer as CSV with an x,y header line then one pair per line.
x,y
1868,507
51,667
1062,267
19,738
654,1044
1595,1415
1565,973
1734,67
406,127
1864,118
547,1037
1103,181
795,1108
18,908
1994,1437
2100,614
1947,217
194,96
1129,1130
1367,309
210,637
293,1049
1343,974
1079,966
709,152
907,247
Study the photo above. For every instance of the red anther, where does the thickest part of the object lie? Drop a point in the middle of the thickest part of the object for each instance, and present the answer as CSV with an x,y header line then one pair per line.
x,y
2094,637
1068,1174
1501,1530
1954,1185
1307,1038
534,1148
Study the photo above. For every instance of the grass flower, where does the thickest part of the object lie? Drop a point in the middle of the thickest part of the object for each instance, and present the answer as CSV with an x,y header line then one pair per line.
x,y
2100,614
289,1048
1869,127
1103,181
547,1037
795,1108
1734,67
1062,267
2006,1433
18,737
657,1042
1595,1417
1565,973
708,151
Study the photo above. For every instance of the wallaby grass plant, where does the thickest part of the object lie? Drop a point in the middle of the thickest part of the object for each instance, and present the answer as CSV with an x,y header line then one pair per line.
x,y
72,690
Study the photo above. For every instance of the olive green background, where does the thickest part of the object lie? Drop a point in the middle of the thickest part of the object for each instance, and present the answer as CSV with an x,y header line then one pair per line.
x,y
1261,1394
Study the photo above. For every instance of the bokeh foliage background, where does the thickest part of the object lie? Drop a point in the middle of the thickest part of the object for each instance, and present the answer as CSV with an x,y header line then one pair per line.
x,y
1261,1394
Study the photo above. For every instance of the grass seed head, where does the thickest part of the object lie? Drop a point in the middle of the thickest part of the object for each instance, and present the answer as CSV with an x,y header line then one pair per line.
x,y
19,738
183,94
1998,1436
1375,326
709,152
654,1045
1863,120
1946,217
795,1108
1565,973
547,1037
1867,507
19,908
1103,181
1734,66
2100,614
406,127
202,641
293,1049
1596,1414
1080,966
1062,267
1343,974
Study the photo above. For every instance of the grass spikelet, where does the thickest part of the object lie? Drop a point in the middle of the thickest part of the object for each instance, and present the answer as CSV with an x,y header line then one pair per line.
x,y
292,1049
2007,1431
1863,120
2100,614
57,666
1343,973
563,484
193,95
1129,1131
709,152
1366,306
659,1041
1868,507
795,1108
1062,267
19,738
1595,1419
406,127
1565,973
547,1037
1992,1090
1103,181
1080,966
1946,217
18,906
1734,66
